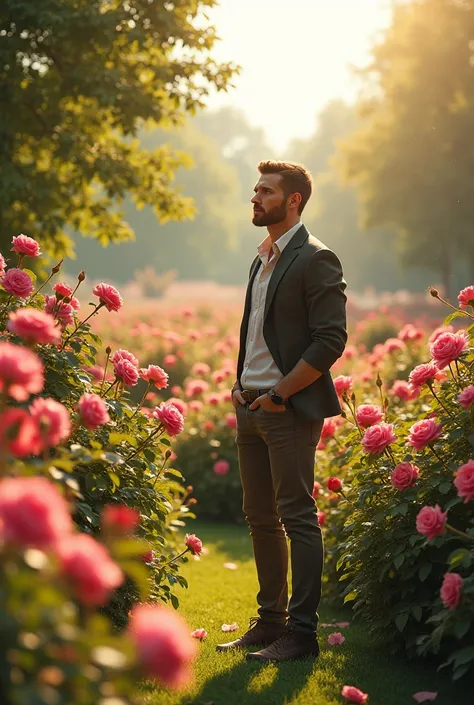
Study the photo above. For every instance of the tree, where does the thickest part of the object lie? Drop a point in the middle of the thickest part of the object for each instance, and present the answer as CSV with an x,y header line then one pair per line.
x,y
78,80
413,159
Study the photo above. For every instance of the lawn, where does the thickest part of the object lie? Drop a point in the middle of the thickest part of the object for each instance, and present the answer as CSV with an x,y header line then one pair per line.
x,y
218,595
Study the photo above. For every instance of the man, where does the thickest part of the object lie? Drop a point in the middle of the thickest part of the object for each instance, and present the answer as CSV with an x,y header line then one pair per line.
x,y
293,330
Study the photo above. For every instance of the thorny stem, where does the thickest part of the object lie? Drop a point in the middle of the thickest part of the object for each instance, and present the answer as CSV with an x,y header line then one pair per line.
x,y
460,533
141,400
145,442
430,385
80,325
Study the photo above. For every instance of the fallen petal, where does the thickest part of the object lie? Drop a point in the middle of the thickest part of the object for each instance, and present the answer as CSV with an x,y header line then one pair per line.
x,y
424,696
230,566
199,634
342,625
230,627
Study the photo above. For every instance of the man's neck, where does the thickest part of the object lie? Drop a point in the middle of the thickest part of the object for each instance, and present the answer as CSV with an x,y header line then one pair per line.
x,y
279,229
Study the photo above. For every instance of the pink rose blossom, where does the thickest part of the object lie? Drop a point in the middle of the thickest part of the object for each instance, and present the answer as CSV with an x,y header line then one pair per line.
x,y
334,484
75,303
179,404
108,296
62,290
368,415
148,557
410,333
18,283
24,245
90,568
321,518
343,383
424,432
422,374
200,634
155,374
21,371
164,646
464,481
61,311
96,371
329,428
424,696
448,347
171,418
221,467
200,369
378,437
230,420
466,397
120,518
126,371
53,420
19,433
124,355
170,360
34,326
317,489
354,695
403,390
451,590
466,297
92,410
393,345
336,639
438,331
33,512
194,544
3,265
404,476
196,387
431,521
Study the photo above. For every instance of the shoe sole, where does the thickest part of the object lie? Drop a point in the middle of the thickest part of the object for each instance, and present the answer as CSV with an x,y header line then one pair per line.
x,y
299,657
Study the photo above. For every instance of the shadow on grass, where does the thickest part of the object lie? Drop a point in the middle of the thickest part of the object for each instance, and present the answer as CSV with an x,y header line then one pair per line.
x,y
228,539
255,684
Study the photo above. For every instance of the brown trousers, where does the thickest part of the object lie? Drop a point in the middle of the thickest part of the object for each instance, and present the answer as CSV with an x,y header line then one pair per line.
x,y
276,458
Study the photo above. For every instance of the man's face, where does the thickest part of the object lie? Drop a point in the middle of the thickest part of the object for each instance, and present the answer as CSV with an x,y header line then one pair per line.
x,y
269,202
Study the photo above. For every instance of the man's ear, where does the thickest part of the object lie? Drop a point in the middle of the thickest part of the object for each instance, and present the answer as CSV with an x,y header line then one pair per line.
x,y
295,200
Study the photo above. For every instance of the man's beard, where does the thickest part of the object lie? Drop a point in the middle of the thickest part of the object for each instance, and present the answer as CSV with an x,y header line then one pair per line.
x,y
272,217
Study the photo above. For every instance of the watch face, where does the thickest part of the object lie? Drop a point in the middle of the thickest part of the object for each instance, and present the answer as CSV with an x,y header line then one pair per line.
x,y
276,398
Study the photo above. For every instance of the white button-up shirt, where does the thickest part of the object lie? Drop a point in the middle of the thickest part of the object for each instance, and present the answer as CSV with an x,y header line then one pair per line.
x,y
260,370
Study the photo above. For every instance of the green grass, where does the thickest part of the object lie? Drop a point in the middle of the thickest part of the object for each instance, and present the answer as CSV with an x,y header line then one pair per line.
x,y
217,595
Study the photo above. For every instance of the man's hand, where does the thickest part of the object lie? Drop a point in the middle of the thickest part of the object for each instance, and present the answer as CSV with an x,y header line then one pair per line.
x,y
266,403
237,398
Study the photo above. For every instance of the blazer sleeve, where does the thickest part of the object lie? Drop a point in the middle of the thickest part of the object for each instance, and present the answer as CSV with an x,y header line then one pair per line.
x,y
326,306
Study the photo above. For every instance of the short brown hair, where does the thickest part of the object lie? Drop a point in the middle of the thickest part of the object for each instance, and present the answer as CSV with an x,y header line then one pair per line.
x,y
296,179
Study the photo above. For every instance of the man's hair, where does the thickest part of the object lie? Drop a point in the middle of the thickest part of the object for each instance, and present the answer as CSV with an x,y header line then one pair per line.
x,y
296,179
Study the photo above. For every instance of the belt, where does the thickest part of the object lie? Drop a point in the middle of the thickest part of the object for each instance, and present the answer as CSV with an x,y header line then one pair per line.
x,y
250,395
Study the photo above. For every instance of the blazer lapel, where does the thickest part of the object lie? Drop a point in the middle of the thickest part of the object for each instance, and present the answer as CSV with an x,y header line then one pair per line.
x,y
247,306
289,254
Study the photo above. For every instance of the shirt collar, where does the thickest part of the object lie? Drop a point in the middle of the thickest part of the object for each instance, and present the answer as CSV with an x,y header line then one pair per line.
x,y
278,246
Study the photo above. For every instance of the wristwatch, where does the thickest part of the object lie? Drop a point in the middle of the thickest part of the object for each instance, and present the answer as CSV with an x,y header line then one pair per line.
x,y
275,397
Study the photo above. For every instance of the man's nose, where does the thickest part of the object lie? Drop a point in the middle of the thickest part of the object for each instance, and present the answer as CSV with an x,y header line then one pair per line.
x,y
255,199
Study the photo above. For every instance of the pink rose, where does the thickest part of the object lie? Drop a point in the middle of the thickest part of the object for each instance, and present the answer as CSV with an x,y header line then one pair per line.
x,y
53,420
124,355
409,333
317,489
108,296
21,371
126,371
179,404
33,512
336,639
404,476
422,374
18,283
61,311
3,265
466,297
466,397
368,415
90,568
34,326
200,634
164,646
403,390
451,590
378,437
329,428
24,245
334,484
120,518
62,290
196,387
448,347
171,418
75,304
19,433
393,345
93,410
354,695
431,521
230,420
424,432
321,518
148,557
200,369
221,467
194,544
170,360
464,481
155,374
342,384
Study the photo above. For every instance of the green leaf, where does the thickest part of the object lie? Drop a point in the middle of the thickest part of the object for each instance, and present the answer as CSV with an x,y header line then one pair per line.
x,y
398,561
445,487
165,441
351,596
471,439
424,571
401,621
32,275
464,656
453,316
115,479
417,612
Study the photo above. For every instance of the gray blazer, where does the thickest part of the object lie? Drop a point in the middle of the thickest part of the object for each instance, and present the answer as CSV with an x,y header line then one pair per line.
x,y
305,317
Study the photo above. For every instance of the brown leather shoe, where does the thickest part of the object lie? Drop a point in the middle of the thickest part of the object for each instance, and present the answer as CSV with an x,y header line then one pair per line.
x,y
289,646
260,633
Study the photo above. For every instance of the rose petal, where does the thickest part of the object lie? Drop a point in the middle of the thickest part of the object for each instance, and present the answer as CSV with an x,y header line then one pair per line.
x,y
230,566
423,696
230,627
342,625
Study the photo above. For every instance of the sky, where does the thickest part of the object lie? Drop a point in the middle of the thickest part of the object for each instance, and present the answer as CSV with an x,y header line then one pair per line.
x,y
295,57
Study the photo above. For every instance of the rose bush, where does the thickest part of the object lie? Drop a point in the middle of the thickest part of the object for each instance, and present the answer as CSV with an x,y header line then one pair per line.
x,y
85,493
